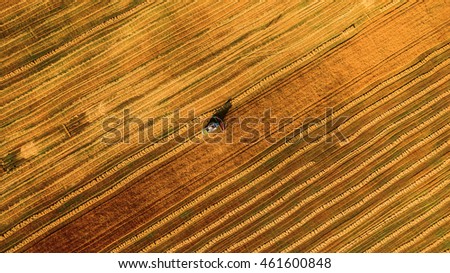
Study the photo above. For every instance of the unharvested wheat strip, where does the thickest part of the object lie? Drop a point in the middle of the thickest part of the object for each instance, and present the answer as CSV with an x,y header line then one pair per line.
x,y
431,229
359,221
444,203
313,52
296,155
74,41
432,247
222,185
366,198
382,133
334,183
229,197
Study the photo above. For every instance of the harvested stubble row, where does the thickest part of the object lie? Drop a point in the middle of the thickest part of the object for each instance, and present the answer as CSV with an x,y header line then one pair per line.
x,y
67,68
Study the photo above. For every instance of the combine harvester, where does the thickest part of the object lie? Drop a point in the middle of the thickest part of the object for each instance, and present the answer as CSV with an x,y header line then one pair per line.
x,y
217,120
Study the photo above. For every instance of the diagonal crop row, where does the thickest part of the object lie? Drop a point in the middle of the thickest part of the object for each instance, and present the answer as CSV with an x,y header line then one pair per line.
x,y
376,210
299,152
238,176
377,155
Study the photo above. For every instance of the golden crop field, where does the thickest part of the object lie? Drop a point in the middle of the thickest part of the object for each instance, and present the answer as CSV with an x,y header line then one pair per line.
x,y
357,160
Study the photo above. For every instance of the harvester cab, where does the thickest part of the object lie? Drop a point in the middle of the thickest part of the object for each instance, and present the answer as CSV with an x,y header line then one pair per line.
x,y
217,120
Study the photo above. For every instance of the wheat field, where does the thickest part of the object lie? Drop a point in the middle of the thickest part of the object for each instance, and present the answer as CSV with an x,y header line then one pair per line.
x,y
382,67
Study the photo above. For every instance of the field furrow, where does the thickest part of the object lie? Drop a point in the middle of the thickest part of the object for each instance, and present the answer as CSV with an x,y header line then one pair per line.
x,y
337,139
299,152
